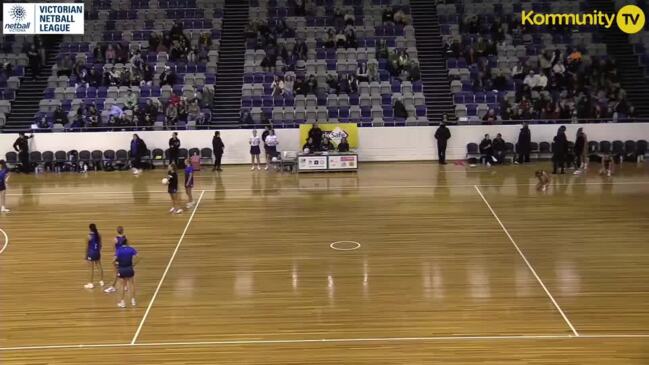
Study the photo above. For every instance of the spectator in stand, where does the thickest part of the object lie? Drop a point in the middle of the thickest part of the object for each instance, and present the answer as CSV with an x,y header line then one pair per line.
x,y
131,100
194,112
559,151
182,110
110,54
34,61
362,72
399,109
171,115
382,51
499,148
246,118
524,144
401,18
311,85
329,38
490,117
277,86
486,151
167,77
115,115
301,50
388,15
518,71
92,116
299,87
414,73
60,116
310,146
315,134
343,146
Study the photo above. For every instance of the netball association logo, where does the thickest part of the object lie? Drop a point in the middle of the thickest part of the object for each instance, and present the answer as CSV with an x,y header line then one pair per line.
x,y
16,18
17,13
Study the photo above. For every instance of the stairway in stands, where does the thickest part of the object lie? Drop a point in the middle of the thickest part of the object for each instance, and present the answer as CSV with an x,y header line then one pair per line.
x,y
31,91
227,90
631,75
434,74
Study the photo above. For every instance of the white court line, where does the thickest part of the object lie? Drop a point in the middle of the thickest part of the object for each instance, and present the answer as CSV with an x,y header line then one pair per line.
x,y
368,187
565,318
326,340
4,246
164,274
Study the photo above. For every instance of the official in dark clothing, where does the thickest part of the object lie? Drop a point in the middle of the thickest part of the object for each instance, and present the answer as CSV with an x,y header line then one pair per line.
x,y
560,151
499,148
174,148
327,145
442,135
524,144
486,150
343,146
315,133
138,149
217,147
22,147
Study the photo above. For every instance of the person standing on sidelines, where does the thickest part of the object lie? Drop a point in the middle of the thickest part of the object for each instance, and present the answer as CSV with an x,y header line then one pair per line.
x,y
93,256
174,148
581,152
138,149
217,147
189,183
125,261
523,146
4,177
442,135
559,151
255,151
271,142
21,145
120,240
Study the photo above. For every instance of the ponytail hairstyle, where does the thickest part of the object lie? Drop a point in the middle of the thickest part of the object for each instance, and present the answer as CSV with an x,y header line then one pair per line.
x,y
93,229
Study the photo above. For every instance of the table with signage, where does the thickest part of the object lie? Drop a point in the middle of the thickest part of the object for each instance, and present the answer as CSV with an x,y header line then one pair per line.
x,y
328,161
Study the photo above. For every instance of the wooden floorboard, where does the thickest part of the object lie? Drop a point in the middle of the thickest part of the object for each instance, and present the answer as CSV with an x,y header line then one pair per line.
x,y
255,280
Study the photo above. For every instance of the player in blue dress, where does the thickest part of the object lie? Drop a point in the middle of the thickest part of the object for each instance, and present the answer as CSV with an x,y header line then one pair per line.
x,y
189,182
125,261
4,176
120,240
93,256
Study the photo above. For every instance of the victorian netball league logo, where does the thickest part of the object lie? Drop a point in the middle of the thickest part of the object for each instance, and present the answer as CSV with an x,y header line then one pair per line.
x,y
17,13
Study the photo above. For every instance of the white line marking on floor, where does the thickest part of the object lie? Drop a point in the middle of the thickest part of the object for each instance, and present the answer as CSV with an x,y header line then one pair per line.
x,y
565,318
327,340
164,274
4,246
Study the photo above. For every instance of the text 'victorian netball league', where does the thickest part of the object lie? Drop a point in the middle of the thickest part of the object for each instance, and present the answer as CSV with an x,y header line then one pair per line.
x,y
43,18
630,19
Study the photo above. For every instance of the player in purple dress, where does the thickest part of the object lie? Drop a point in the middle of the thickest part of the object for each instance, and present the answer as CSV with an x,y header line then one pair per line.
x,y
189,183
120,240
93,256
125,261
4,176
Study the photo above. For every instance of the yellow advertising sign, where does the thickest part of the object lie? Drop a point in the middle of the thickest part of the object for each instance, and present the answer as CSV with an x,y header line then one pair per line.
x,y
335,132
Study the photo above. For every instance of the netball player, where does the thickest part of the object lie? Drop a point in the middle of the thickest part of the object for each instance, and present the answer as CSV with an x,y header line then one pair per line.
x,y
4,177
93,256
271,142
255,151
544,180
125,260
189,182
120,240
172,188
607,165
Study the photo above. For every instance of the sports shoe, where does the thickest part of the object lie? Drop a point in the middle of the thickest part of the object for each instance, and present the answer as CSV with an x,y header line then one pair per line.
x,y
178,211
110,289
266,168
171,210
89,286
121,304
252,168
133,302
101,283
4,210
258,168
189,205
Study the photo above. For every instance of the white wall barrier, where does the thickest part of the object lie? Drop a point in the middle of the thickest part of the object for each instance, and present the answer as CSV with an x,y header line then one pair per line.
x,y
376,144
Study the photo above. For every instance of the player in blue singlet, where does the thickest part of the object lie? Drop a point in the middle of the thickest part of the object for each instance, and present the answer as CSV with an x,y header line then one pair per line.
x,y
125,261
189,182
4,176
93,256
120,240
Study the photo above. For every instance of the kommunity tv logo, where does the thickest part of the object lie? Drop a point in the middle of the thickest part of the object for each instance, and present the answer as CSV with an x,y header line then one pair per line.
x,y
630,19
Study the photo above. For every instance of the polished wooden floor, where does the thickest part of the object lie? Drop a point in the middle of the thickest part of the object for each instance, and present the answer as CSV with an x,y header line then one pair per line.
x,y
436,278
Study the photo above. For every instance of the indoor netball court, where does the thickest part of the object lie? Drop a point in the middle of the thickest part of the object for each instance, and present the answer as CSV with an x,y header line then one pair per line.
x,y
400,263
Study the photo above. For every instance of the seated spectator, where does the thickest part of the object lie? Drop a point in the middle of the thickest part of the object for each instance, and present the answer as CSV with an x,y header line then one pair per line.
x,y
490,117
486,150
362,72
299,87
329,38
110,55
277,86
343,146
382,51
147,75
246,118
182,110
268,62
312,85
388,15
116,115
332,84
350,19
289,82
167,77
401,18
64,66
372,72
350,38
131,100
530,80
171,115
92,116
310,146
344,86
194,112
301,50
400,109
60,116
518,71
499,148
